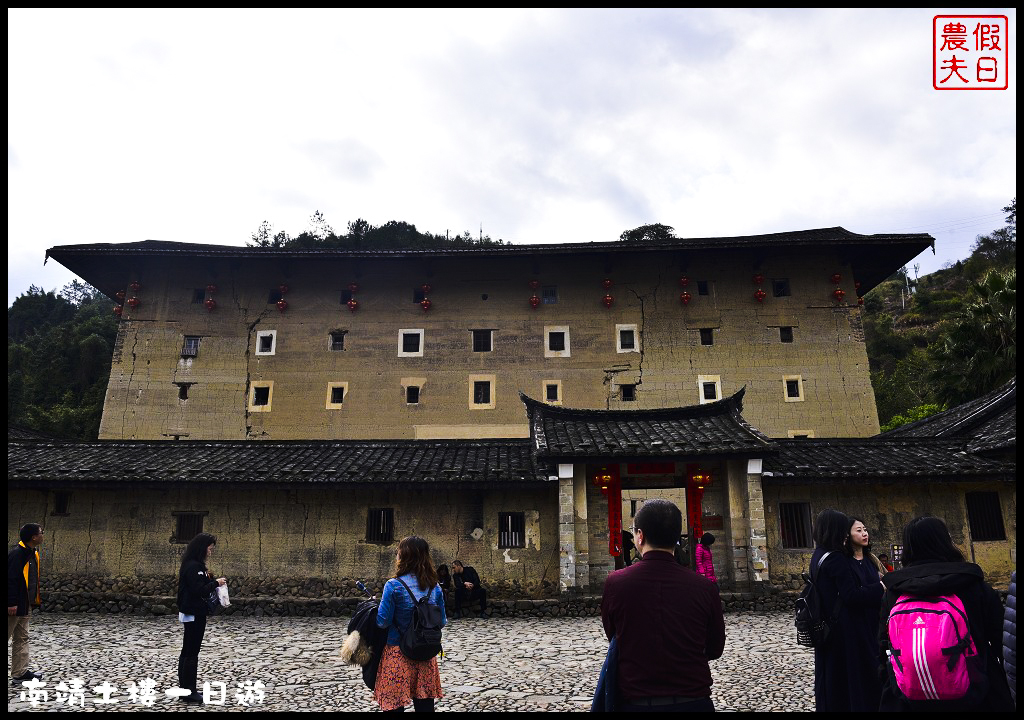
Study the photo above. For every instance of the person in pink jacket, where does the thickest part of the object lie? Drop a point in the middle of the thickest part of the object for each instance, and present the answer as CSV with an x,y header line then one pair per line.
x,y
705,566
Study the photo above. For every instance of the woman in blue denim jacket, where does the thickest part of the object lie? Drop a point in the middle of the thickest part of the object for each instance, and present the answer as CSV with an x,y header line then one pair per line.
x,y
401,680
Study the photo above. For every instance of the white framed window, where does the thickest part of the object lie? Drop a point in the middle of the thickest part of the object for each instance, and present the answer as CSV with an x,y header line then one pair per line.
x,y
337,393
551,391
266,342
261,395
627,338
482,392
556,341
793,388
709,388
410,343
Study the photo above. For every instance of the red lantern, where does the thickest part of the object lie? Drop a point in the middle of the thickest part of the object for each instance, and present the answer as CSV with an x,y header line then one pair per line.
x,y
860,301
211,289
135,286
282,288
353,305
120,296
534,284
282,304
425,288
118,310
425,304
686,298
607,300
758,279
133,302
836,279
684,281
760,295
353,288
534,302
606,283
838,294
856,285
210,304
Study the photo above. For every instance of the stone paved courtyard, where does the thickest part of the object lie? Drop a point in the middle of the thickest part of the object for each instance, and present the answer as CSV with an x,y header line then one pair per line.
x,y
521,664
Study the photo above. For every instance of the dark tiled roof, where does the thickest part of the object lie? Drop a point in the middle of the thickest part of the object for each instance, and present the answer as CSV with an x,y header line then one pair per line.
x,y
871,459
874,257
349,462
988,423
712,429
17,432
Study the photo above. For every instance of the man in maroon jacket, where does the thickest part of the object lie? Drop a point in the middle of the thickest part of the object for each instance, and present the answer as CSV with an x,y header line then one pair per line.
x,y
667,618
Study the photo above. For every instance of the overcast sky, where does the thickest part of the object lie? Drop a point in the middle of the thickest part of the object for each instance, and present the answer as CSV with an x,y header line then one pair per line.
x,y
541,126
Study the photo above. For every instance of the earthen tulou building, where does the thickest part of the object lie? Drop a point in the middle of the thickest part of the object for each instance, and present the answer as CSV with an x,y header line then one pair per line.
x,y
514,404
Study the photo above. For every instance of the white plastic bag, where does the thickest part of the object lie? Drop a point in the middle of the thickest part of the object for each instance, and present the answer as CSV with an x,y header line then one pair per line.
x,y
222,595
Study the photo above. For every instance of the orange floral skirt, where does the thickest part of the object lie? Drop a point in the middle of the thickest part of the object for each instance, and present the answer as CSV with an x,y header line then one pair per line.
x,y
400,679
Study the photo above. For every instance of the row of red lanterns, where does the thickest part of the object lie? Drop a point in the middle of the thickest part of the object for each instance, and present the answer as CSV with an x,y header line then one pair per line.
x,y
132,302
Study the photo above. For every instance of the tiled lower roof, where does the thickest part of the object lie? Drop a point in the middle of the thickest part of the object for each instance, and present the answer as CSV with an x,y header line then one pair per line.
x,y
871,459
697,430
458,462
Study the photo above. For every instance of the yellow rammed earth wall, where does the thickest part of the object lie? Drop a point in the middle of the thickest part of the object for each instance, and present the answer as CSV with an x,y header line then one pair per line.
x,y
144,396
293,533
886,509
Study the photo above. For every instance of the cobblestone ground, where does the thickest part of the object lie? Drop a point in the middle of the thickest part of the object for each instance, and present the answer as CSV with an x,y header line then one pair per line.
x,y
520,664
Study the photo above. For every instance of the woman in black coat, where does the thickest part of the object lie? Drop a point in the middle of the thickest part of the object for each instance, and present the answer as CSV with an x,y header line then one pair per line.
x,y
846,668
194,585
934,567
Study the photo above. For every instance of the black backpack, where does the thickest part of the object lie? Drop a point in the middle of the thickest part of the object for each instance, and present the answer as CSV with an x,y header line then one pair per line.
x,y
422,639
812,629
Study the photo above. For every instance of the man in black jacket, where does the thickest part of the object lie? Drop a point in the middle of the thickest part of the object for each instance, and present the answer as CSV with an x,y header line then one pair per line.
x,y
467,587
22,594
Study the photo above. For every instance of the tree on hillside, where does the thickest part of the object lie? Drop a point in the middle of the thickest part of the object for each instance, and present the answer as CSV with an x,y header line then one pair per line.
x,y
652,233
979,351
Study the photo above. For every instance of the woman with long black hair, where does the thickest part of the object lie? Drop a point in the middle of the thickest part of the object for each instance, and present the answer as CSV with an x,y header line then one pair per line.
x,y
399,679
846,668
194,585
933,567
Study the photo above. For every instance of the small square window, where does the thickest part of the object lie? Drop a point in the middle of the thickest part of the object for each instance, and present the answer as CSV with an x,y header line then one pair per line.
x,y
186,526
261,396
710,391
551,392
556,341
793,388
337,395
380,525
481,392
795,525
412,395
985,516
549,294
198,296
61,503
511,530
627,339
266,342
786,334
707,336
190,348
337,340
702,287
410,343
627,393
337,392
481,340
780,288
183,390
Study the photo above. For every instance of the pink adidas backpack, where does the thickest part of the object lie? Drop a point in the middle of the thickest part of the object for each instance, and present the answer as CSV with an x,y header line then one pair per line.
x,y
931,653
